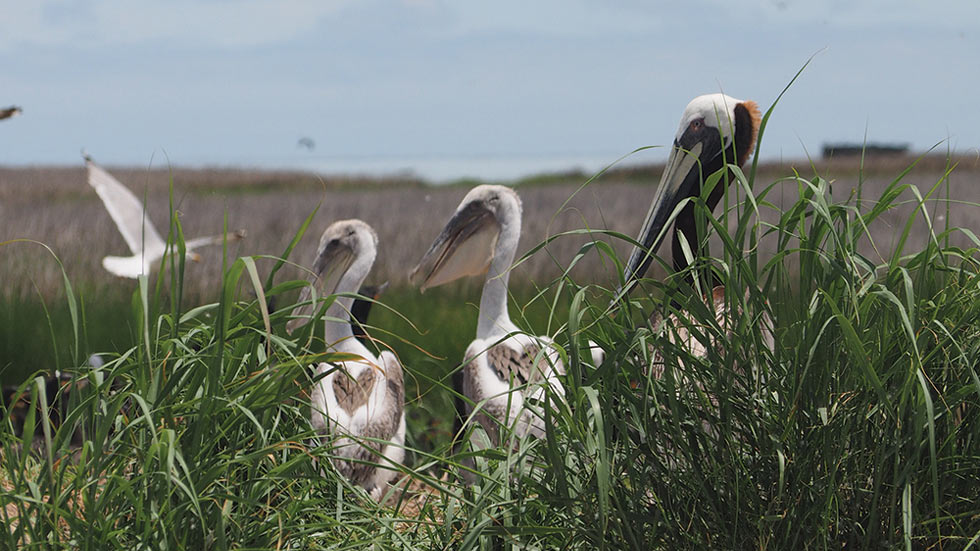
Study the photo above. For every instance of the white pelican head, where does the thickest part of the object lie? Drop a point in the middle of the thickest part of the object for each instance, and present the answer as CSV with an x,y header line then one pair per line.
x,y
344,257
346,246
468,242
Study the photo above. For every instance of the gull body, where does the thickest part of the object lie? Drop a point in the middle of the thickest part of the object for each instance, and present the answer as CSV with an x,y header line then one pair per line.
x,y
503,366
358,404
128,213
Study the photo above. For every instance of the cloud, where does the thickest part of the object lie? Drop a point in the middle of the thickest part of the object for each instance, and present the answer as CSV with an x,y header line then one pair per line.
x,y
846,14
688,20
247,23
214,23
555,17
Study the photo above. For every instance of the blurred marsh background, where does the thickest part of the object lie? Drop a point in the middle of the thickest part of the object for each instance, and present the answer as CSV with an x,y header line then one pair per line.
x,y
56,207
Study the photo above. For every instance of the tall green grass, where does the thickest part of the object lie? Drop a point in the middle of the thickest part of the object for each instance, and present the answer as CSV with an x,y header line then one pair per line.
x,y
859,429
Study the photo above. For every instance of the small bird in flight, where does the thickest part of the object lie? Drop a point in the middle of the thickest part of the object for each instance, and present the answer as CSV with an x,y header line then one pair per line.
x,y
10,112
127,211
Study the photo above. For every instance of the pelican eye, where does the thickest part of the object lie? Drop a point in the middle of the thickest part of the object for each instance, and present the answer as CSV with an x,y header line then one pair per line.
x,y
697,124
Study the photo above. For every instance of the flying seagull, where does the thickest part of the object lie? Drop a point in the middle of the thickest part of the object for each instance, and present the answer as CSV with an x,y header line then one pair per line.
x,y
128,213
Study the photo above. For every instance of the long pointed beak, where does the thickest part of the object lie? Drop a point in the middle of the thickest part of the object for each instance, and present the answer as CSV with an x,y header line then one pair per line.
x,y
329,268
672,189
464,247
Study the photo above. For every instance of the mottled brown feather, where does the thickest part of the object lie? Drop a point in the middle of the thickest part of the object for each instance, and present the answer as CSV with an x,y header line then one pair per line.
x,y
508,363
353,393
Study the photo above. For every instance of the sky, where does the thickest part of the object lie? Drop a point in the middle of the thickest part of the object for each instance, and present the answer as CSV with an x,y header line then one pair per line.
x,y
457,89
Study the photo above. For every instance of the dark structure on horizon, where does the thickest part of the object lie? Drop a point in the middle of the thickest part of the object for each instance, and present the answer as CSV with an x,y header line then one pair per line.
x,y
870,149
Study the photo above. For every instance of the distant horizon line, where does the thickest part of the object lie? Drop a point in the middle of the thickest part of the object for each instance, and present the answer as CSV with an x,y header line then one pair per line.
x,y
448,169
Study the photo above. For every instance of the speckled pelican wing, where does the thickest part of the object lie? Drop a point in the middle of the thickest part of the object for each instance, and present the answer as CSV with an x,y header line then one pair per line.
x,y
353,394
525,366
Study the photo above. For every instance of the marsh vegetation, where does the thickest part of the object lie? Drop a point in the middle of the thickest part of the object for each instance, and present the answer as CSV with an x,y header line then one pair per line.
x,y
860,429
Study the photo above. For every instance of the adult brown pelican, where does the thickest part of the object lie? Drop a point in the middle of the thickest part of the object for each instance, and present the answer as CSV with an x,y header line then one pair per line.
x,y
130,217
359,402
504,366
715,130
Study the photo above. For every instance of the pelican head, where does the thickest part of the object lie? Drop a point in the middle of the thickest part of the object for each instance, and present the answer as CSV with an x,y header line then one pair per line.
x,y
715,130
344,257
468,243
346,247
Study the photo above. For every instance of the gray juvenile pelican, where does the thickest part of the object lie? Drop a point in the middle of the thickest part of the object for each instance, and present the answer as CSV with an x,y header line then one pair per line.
x,y
130,217
504,366
715,130
362,397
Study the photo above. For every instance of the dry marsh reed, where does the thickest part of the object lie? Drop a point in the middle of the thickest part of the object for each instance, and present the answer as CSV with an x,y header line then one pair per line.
x,y
56,207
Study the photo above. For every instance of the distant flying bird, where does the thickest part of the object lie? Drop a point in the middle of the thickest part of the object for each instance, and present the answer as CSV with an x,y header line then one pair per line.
x,y
130,217
362,396
715,130
504,366
10,112
308,143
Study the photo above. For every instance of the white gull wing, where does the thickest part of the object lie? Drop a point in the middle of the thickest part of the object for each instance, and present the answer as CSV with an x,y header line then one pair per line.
x,y
127,212
199,242
129,266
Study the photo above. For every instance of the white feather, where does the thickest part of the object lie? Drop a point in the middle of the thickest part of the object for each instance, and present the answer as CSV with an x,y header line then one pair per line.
x,y
130,216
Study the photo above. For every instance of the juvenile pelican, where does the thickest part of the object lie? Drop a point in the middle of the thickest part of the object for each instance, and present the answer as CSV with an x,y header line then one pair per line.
x,y
364,397
715,130
130,217
504,366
